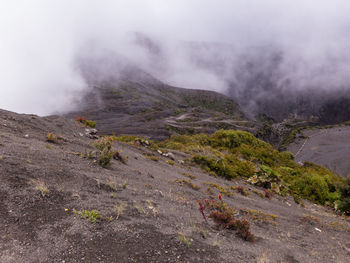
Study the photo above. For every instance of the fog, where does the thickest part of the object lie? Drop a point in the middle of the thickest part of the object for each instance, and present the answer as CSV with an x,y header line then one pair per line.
x,y
248,49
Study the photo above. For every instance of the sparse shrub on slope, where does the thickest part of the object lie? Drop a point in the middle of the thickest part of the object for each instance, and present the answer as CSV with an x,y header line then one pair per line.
x,y
224,217
105,154
82,120
232,154
51,137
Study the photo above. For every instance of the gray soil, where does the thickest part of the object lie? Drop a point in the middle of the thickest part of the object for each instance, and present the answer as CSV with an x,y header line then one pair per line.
x,y
328,147
144,213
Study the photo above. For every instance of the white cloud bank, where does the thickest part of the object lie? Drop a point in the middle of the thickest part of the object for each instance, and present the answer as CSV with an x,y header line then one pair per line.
x,y
40,40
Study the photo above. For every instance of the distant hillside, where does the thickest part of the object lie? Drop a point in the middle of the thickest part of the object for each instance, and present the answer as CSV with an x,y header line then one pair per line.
x,y
266,80
127,100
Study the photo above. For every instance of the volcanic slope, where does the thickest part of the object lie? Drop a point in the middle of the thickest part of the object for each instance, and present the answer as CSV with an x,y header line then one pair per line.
x,y
328,146
124,99
58,205
158,110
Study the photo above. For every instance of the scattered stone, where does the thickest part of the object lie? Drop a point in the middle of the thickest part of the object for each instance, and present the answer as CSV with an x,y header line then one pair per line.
x,y
169,155
91,133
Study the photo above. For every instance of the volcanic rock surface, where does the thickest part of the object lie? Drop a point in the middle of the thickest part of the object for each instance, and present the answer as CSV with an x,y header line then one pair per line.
x,y
145,214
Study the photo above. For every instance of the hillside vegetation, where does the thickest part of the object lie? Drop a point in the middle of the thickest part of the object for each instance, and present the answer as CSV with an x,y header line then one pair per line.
x,y
238,154
69,195
156,110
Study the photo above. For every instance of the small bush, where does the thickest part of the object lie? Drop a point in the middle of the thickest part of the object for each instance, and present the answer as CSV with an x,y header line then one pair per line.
x,y
183,239
170,162
189,176
188,183
51,137
92,215
41,187
105,142
91,124
105,154
223,216
152,157
82,120
104,158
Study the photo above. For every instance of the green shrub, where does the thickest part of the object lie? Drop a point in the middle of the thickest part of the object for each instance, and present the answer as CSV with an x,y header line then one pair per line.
x,y
232,154
344,204
51,137
91,124
105,142
105,154
312,187
92,215
104,157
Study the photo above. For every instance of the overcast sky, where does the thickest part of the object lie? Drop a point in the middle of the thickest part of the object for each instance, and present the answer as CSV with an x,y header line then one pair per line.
x,y
39,39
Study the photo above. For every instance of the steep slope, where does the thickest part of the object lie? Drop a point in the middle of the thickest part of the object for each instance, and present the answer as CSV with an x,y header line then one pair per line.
x,y
146,209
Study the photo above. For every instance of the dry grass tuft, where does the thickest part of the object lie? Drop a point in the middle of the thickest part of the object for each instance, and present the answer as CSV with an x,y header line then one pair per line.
x,y
40,186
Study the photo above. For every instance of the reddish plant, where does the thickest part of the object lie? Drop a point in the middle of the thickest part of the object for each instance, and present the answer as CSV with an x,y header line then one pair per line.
x,y
220,198
267,194
81,119
221,218
224,217
201,209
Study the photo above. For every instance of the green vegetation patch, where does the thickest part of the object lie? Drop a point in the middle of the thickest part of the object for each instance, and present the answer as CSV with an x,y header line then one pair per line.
x,y
91,215
233,153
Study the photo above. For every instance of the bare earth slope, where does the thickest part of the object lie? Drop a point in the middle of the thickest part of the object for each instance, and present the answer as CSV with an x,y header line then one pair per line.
x,y
145,215
328,147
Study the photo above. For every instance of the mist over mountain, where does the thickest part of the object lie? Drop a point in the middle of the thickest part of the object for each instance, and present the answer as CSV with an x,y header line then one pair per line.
x,y
274,57
263,80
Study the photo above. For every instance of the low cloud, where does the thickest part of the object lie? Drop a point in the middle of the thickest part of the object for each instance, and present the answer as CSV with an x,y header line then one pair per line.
x,y
247,49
